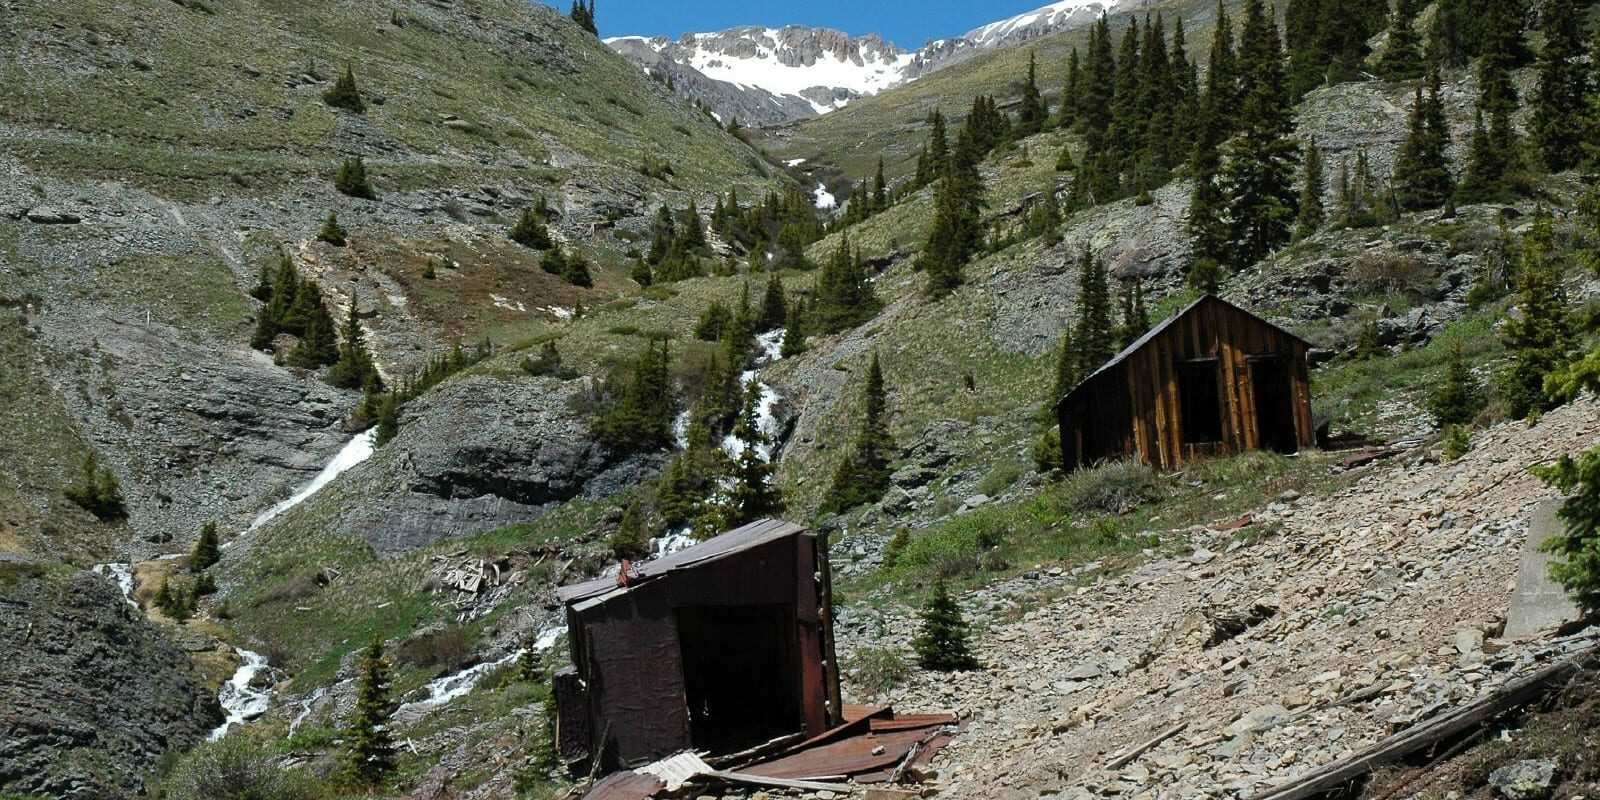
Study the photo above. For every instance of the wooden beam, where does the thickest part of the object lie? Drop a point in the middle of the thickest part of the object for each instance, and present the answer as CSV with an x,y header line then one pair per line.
x,y
1512,696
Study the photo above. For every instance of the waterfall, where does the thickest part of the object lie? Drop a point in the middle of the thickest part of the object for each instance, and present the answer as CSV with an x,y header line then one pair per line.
x,y
123,575
240,700
355,451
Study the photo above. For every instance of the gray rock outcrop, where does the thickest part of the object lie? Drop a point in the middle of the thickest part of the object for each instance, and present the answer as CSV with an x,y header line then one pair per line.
x,y
91,695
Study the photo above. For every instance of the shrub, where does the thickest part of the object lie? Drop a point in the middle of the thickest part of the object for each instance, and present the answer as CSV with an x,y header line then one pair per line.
x,y
237,768
1458,399
631,540
530,232
1457,442
876,670
1113,488
441,647
352,179
896,546
343,94
547,363
1000,478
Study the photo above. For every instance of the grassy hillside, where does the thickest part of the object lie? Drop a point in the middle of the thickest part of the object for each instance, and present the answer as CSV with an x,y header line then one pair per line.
x,y
201,96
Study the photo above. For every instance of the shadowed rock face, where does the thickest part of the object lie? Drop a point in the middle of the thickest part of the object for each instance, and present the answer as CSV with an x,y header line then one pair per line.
x,y
91,695
477,453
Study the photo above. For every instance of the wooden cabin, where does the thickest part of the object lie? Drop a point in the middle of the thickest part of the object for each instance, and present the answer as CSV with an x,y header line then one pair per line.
x,y
1211,380
719,647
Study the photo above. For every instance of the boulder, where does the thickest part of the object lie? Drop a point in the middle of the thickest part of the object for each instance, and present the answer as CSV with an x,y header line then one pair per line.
x,y
1530,779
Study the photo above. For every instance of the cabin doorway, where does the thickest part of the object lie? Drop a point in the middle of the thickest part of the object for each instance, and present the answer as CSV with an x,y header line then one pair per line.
x,y
1274,396
739,675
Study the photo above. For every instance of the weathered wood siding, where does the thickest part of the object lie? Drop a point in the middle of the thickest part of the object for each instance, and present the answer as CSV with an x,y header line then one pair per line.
x,y
1135,408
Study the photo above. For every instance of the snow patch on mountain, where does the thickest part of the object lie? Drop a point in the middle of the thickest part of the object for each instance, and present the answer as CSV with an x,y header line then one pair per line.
x,y
765,76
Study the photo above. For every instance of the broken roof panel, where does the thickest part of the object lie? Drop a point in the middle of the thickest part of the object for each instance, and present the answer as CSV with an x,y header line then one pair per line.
x,y
735,541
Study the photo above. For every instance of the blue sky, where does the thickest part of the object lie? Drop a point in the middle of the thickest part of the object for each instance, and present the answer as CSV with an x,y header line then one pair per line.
x,y
907,23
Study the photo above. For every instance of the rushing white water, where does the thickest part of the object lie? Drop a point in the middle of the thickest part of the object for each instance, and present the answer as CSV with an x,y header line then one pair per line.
x,y
680,430
449,687
123,575
771,344
241,701
824,198
355,451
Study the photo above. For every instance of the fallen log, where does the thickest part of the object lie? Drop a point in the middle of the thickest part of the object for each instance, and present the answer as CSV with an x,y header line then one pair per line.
x,y
1513,695
1128,758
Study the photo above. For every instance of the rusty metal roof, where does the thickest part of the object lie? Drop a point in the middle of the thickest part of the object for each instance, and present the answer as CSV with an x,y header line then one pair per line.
x,y
1156,330
738,540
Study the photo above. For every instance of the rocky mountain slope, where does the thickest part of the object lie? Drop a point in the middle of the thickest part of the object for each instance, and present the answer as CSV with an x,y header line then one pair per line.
x,y
767,76
157,157
1326,622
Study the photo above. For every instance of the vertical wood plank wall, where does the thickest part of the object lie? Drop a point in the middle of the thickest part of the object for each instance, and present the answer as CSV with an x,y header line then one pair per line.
x,y
1135,407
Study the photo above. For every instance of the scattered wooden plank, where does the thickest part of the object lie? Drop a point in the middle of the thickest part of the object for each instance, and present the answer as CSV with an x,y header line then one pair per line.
x,y
781,783
1128,758
1513,695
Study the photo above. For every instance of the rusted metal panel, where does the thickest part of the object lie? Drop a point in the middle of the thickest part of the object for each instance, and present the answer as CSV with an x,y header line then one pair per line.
x,y
884,743
572,715
639,656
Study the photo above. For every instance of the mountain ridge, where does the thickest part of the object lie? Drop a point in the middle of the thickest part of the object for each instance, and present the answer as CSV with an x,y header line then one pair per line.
x,y
763,75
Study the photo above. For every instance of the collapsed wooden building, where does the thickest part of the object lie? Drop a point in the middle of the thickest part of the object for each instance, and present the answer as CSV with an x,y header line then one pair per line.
x,y
1211,380
719,647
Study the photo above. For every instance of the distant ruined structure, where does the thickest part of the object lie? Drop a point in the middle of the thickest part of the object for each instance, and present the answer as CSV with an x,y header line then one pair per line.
x,y
1211,380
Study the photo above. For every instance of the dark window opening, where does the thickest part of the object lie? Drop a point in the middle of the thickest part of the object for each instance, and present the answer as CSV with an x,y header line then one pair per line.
x,y
1200,404
739,675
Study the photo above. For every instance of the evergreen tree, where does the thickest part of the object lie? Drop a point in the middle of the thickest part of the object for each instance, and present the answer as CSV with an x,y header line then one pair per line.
x,y
632,538
1577,547
207,550
583,14
1258,173
880,189
1071,94
263,288
1401,58
531,232
1457,399
1031,111
98,491
794,332
575,270
1222,78
352,179
714,321
318,345
388,420
863,475
331,231
956,234
844,298
941,641
753,495
1560,102
354,367
1311,209
638,417
1094,336
344,94
1207,221
369,745
1421,172
774,308
1068,372
1539,336
1099,89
